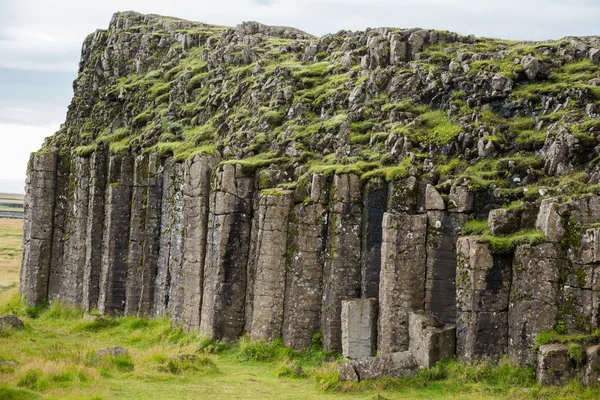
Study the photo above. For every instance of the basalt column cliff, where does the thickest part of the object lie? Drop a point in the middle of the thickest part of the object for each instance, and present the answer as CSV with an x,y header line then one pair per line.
x,y
254,179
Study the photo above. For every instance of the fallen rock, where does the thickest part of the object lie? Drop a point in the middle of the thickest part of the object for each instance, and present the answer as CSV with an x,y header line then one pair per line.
x,y
8,363
555,367
11,321
114,351
347,372
430,339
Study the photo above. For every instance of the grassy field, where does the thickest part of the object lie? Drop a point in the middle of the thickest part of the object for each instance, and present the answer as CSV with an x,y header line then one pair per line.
x,y
11,231
56,360
11,205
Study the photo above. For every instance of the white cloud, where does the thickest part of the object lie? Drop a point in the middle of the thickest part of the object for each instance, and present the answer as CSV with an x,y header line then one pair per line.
x,y
18,142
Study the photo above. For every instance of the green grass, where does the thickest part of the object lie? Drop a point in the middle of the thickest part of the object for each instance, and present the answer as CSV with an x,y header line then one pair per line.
x,y
56,356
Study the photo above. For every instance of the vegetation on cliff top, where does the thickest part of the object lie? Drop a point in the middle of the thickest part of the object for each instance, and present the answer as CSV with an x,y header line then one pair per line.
x,y
382,103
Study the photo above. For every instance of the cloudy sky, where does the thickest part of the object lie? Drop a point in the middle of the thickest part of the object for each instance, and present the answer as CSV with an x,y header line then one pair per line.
x,y
40,43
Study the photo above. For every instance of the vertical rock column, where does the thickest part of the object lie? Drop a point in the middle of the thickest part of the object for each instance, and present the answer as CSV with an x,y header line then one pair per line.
x,y
196,195
38,227
230,218
307,234
374,205
342,275
269,288
95,230
440,285
402,280
169,258
116,235
65,188
534,297
75,242
143,237
482,294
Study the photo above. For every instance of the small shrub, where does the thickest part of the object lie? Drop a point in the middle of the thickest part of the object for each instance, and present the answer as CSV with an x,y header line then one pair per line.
x,y
7,393
263,351
211,346
187,363
141,120
575,353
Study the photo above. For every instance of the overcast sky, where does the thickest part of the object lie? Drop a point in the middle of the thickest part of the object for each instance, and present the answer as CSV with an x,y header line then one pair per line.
x,y
40,43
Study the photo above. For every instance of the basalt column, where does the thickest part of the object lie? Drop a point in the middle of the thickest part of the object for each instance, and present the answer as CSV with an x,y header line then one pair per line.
x,y
342,274
482,295
230,218
440,284
196,195
374,205
167,296
63,203
116,235
37,233
269,290
534,297
95,230
76,231
307,234
144,236
402,279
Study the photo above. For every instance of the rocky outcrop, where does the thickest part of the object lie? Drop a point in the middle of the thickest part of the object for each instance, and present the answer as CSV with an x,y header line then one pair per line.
x,y
258,180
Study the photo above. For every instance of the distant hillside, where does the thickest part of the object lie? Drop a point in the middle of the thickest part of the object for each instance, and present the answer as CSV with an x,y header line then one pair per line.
x,y
11,205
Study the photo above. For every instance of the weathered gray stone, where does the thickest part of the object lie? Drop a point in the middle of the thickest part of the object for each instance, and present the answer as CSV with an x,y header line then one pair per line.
x,y
38,227
482,296
143,236
535,287
168,292
196,196
374,205
398,49
531,66
590,374
347,372
114,351
63,203
176,295
554,366
585,210
95,230
342,274
359,328
433,200
503,222
11,321
430,339
73,269
594,55
304,288
394,365
116,235
460,199
550,221
402,196
269,287
403,271
228,239
440,284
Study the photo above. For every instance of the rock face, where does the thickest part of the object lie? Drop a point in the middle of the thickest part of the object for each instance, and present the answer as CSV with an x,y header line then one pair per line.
x,y
258,180
482,297
359,328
